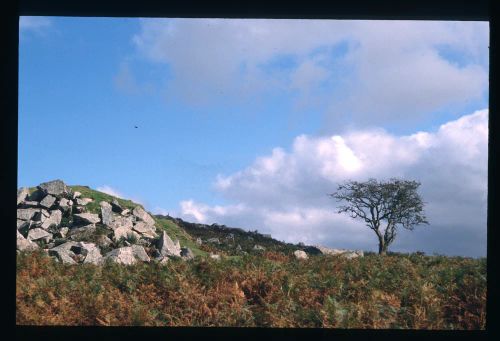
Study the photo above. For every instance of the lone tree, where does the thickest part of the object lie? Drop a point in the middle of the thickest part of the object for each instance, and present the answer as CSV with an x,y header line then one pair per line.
x,y
383,206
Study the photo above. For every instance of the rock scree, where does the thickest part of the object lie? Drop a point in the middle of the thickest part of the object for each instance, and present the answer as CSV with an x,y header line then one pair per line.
x,y
56,219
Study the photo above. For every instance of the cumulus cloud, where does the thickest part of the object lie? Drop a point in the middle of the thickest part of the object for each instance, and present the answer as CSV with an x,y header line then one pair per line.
x,y
285,193
111,191
119,194
369,70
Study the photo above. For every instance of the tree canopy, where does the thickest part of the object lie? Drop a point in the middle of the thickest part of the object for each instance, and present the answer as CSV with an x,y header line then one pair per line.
x,y
395,202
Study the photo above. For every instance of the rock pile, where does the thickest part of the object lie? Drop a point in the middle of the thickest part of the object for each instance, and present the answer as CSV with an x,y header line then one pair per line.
x,y
55,219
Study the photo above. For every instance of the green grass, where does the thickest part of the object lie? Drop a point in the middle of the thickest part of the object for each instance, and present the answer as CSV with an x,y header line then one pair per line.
x,y
176,232
97,196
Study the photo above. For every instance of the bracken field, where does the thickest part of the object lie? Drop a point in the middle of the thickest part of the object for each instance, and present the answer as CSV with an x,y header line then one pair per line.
x,y
397,291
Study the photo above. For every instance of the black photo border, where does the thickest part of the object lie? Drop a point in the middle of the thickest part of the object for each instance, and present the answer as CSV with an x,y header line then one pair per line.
x,y
462,10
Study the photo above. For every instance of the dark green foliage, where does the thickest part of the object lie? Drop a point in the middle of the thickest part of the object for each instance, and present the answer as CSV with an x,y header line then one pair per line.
x,y
228,246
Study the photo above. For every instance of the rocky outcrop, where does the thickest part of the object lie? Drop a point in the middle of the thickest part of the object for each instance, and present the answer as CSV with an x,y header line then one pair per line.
x,y
24,244
187,253
123,255
106,213
87,218
143,215
27,213
56,188
22,194
124,235
340,252
54,220
299,254
48,201
167,247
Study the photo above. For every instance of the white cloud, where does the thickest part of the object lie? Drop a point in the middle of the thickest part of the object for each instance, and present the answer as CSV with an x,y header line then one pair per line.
x,y
36,24
390,70
285,193
111,191
119,194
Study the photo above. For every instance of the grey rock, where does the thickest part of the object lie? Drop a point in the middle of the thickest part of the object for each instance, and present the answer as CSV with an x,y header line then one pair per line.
x,y
83,232
106,213
22,224
258,247
342,252
87,218
213,240
144,242
103,241
125,212
77,195
63,231
115,205
48,201
27,213
199,241
123,255
36,195
140,253
167,247
65,246
79,209
63,252
149,235
83,201
299,254
64,204
22,194
29,204
90,252
56,187
352,254
143,215
238,247
121,222
38,233
122,232
187,253
216,257
41,216
144,228
24,244
53,220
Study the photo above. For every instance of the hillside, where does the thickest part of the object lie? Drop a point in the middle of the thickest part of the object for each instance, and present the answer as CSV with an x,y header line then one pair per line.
x,y
230,240
88,258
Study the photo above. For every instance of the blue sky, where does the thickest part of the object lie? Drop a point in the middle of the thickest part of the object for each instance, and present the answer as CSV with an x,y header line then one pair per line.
x,y
237,118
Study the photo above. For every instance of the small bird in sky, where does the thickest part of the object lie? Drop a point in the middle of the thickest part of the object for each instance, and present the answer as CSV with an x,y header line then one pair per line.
x,y
136,127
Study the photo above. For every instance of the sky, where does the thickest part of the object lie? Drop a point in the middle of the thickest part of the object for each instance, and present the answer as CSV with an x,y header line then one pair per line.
x,y
252,123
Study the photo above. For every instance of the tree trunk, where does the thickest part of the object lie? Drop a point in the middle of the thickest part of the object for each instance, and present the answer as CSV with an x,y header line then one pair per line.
x,y
382,247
